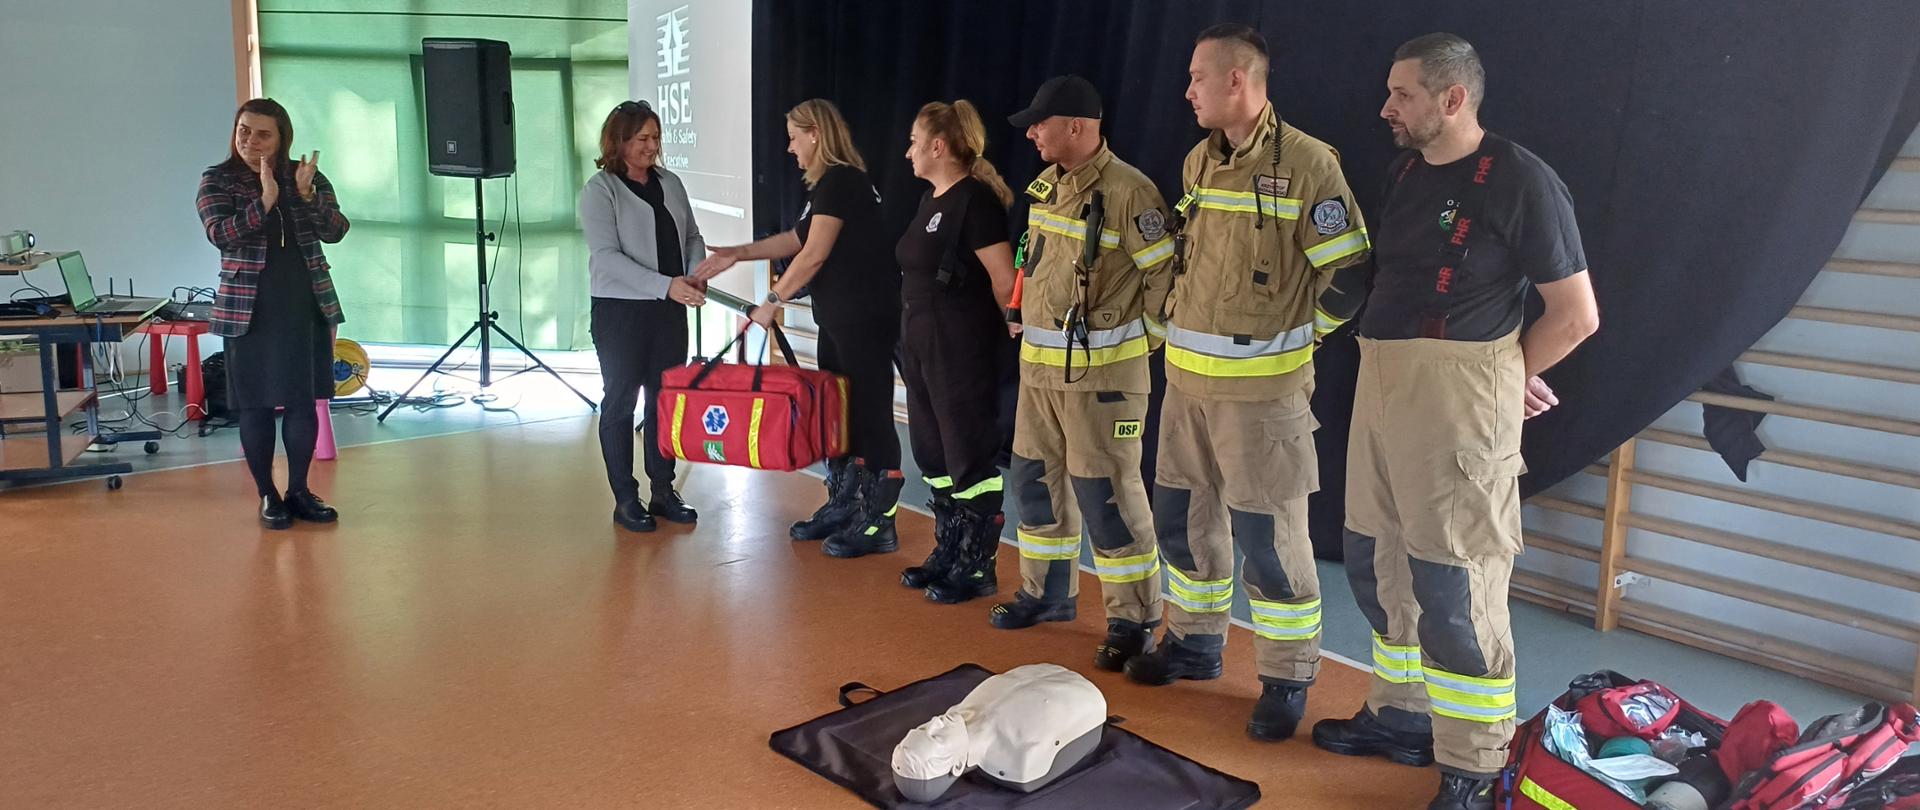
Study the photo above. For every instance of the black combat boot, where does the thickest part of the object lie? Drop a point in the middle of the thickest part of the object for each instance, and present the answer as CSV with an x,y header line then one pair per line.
x,y
1125,640
976,538
872,532
945,545
1364,735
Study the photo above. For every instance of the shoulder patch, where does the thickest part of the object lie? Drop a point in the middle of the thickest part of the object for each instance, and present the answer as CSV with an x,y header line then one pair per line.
x,y
1330,216
1272,186
1040,190
1152,224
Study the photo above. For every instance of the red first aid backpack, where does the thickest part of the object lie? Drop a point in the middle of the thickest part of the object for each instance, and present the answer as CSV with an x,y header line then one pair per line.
x,y
1834,756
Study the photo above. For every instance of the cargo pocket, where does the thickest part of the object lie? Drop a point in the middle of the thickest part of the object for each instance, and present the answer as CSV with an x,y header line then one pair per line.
x,y
1486,504
1290,452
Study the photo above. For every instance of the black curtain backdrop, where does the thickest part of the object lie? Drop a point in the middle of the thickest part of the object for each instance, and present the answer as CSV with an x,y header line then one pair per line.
x,y
1715,150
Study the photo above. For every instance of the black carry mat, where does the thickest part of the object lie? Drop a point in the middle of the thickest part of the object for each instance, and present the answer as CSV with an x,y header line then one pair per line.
x,y
853,748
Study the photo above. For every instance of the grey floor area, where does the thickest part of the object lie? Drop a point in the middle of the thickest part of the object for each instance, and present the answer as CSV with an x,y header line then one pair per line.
x,y
1553,647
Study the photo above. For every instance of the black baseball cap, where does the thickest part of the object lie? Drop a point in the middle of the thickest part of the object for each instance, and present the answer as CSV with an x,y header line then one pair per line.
x,y
1067,95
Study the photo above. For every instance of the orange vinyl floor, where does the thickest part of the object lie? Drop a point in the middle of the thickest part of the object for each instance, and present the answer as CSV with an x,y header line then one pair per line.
x,y
476,633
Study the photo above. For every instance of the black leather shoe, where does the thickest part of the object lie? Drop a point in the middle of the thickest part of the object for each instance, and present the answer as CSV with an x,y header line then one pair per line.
x,y
1025,611
1459,792
633,518
1278,713
1364,735
1172,662
1124,640
308,507
273,512
667,504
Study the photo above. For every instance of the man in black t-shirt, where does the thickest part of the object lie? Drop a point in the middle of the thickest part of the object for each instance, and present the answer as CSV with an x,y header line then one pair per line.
x,y
1469,222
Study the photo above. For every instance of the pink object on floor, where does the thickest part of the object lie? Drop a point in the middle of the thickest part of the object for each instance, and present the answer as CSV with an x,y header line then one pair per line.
x,y
323,448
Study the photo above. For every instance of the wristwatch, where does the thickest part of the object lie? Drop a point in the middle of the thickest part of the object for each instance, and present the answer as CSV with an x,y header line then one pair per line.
x,y
774,299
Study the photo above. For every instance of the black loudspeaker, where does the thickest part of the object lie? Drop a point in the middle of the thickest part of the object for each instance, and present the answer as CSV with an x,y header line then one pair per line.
x,y
469,88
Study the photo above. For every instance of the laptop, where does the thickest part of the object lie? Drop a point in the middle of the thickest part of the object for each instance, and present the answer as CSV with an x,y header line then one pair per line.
x,y
73,270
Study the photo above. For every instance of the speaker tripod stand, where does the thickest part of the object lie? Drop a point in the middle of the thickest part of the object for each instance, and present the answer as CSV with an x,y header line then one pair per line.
x,y
486,326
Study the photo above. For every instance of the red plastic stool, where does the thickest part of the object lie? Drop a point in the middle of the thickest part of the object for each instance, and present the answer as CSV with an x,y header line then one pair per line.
x,y
157,371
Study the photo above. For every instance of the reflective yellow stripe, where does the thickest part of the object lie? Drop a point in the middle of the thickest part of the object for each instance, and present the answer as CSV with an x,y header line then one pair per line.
x,y
1464,697
1035,547
1185,203
1324,323
1083,358
1199,595
1154,254
679,412
990,485
1069,227
1271,366
1539,795
1242,202
753,433
939,481
1120,570
1396,664
1154,329
1281,621
1334,250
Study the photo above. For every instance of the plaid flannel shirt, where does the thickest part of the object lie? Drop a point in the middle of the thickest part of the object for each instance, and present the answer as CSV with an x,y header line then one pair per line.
x,y
230,210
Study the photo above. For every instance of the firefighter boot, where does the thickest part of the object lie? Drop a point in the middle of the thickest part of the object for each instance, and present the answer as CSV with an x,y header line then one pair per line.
x,y
1173,661
1278,713
945,546
1125,640
1462,792
839,510
872,532
970,574
1364,735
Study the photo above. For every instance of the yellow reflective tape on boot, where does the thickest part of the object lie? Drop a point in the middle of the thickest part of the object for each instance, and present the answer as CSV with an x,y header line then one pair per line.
x,y
1542,797
1281,621
875,529
753,433
1154,254
1199,595
1121,570
939,481
679,412
1395,664
1463,697
1035,547
1334,250
993,484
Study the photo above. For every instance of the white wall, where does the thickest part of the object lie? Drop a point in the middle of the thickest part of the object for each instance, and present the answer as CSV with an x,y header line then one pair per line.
x,y
1898,190
113,108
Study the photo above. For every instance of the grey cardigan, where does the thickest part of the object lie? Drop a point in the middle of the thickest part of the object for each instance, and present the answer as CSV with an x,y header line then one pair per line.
x,y
625,260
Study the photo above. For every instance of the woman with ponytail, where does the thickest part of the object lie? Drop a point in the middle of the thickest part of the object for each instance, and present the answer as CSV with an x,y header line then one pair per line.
x,y
838,256
957,275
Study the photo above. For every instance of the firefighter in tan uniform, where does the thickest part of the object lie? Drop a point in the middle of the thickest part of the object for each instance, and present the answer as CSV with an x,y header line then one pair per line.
x,y
1267,235
1469,222
1097,261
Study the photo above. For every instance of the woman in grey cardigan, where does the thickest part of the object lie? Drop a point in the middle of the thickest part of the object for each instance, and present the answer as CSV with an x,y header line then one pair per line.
x,y
640,229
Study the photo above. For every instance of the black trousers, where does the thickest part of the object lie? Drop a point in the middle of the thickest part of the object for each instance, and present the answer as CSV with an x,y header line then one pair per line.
x,y
953,362
863,353
636,341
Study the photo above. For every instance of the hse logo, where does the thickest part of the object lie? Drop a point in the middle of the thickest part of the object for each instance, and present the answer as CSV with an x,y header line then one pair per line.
x,y
1127,429
714,420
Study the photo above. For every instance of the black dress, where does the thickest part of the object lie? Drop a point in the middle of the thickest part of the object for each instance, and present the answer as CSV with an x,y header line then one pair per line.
x,y
285,360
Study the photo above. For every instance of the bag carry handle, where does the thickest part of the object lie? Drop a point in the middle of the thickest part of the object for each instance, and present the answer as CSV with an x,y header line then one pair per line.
x,y
779,336
848,689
